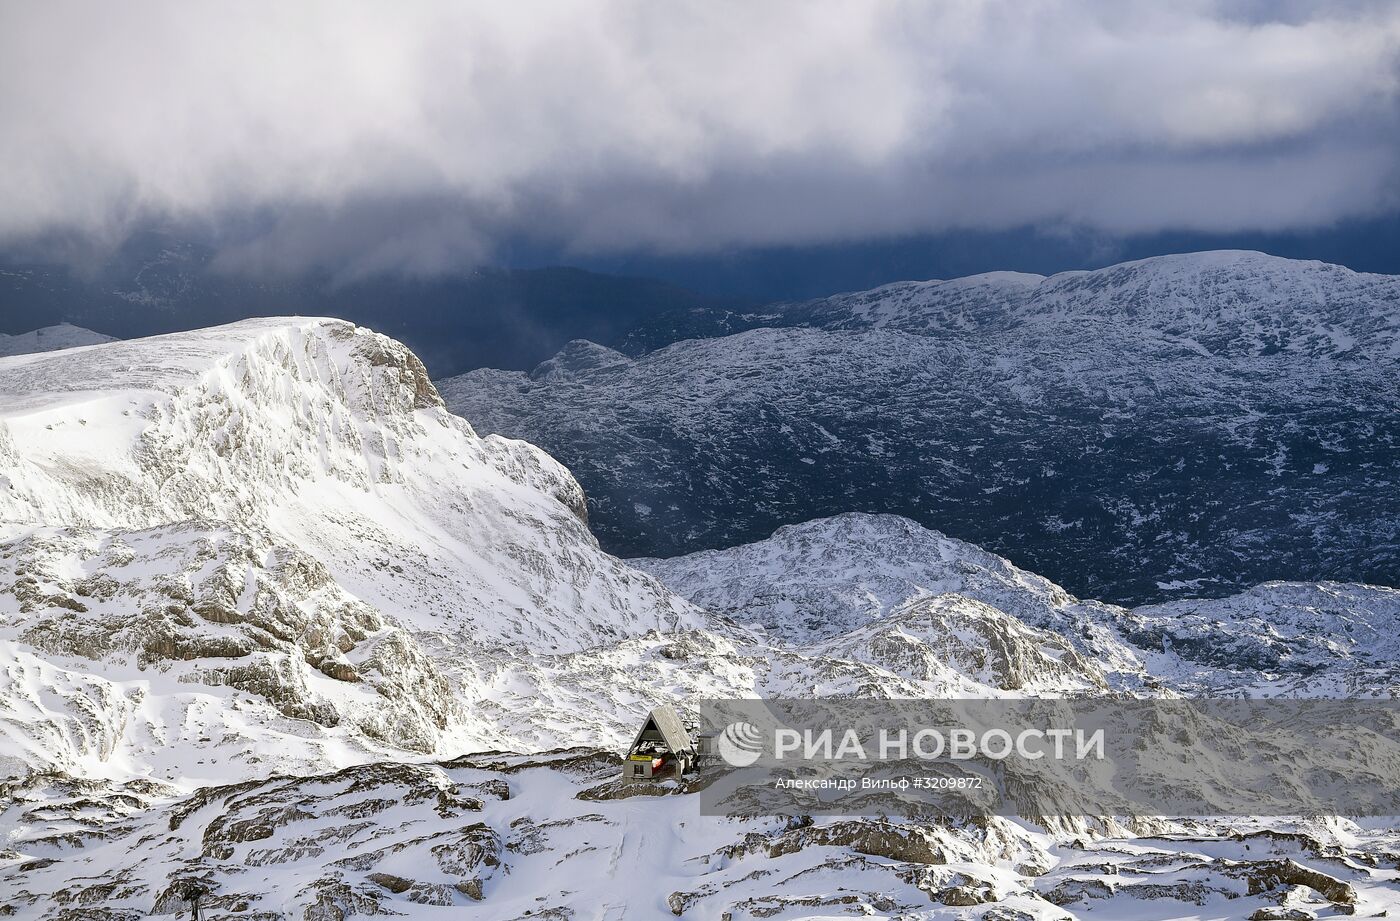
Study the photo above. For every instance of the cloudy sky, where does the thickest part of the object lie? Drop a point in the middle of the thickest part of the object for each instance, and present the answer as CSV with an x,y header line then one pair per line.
x,y
423,136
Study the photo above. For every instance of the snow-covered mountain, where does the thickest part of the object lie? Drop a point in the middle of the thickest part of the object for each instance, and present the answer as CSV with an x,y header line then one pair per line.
x,y
267,547
1229,302
333,439
270,614
1178,426
845,576
214,540
50,339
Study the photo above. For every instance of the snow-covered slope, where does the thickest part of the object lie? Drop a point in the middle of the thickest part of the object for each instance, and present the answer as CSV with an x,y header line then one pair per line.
x,y
843,577
200,653
1173,427
828,576
332,438
269,546
50,339
555,837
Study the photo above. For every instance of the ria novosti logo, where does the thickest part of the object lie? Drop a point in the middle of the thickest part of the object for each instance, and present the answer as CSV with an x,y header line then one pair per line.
x,y
1061,756
740,744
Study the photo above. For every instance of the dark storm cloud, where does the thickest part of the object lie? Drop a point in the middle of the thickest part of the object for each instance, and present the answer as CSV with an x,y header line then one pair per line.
x,y
416,136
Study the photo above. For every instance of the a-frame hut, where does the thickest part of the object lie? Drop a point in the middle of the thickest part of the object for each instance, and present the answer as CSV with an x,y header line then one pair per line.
x,y
663,747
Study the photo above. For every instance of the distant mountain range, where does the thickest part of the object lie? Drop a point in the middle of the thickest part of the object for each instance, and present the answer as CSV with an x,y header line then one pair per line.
x,y
49,339
487,318
1185,424
1188,424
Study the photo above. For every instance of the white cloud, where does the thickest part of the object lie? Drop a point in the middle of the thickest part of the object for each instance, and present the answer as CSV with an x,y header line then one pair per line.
x,y
417,134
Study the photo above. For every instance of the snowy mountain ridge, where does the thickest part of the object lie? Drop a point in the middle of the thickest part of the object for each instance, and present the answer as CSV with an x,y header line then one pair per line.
x,y
1226,302
280,519
49,339
326,435
842,576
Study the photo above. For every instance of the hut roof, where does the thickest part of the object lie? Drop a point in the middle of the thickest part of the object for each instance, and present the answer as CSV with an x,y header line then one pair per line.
x,y
667,722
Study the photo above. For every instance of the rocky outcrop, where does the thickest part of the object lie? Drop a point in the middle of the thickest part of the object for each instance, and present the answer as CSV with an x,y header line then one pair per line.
x,y
578,357
957,645
204,605
382,840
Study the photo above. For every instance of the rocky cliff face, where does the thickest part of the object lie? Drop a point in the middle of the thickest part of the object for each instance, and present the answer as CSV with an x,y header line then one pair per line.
x,y
1181,426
